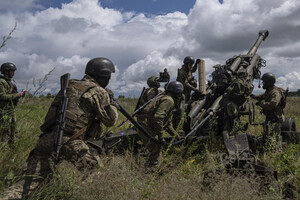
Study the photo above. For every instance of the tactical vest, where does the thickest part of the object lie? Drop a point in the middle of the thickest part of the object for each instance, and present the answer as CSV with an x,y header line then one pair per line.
x,y
76,118
278,111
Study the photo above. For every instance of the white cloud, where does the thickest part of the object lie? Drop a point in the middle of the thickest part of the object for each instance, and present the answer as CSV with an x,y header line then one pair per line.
x,y
140,45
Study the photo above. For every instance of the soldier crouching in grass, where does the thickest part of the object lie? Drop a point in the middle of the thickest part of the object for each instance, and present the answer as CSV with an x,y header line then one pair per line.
x,y
9,97
272,103
156,117
88,106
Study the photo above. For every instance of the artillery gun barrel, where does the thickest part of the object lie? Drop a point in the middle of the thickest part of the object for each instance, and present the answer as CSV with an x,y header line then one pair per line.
x,y
262,35
249,69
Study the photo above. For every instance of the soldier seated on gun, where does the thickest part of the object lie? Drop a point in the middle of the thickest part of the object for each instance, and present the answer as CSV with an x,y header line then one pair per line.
x,y
164,76
9,97
89,106
272,103
186,78
157,118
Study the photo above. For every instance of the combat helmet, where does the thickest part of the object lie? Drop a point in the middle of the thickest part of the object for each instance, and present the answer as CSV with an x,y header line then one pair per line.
x,y
100,67
175,87
8,67
269,79
188,60
152,81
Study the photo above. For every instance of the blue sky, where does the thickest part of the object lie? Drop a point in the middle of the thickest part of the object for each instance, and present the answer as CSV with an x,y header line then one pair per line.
x,y
141,6
144,38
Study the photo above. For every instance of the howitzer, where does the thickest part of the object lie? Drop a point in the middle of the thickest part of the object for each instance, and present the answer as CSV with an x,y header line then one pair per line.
x,y
232,81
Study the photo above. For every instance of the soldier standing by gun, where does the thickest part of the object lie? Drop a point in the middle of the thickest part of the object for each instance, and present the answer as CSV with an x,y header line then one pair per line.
x,y
272,103
9,97
88,106
156,117
186,78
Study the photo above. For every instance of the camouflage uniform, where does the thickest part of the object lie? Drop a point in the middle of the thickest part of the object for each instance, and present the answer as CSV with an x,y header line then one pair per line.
x,y
149,93
187,79
156,118
88,107
8,100
273,109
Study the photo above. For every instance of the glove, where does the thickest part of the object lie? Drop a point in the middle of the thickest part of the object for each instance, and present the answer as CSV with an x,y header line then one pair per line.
x,y
110,93
252,96
198,61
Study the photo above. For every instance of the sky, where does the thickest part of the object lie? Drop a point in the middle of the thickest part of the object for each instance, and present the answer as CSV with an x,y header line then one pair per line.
x,y
142,37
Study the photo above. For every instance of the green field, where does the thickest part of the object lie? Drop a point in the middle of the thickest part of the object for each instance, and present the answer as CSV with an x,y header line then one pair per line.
x,y
185,172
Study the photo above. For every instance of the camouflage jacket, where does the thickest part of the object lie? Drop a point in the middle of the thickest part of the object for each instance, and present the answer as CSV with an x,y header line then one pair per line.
x,y
271,102
187,79
158,115
8,96
149,93
88,106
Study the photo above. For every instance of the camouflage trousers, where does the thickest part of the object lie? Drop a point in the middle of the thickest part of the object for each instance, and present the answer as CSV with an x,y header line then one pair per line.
x,y
40,163
272,140
154,149
8,128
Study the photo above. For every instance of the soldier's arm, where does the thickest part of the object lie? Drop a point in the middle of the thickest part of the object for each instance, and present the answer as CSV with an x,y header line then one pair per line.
x,y
4,96
273,103
190,86
170,129
194,68
98,101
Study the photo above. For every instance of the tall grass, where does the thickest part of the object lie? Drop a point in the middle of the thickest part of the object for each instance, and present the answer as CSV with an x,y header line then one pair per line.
x,y
186,172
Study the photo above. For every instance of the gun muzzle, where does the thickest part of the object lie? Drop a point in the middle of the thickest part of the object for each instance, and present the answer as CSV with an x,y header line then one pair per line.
x,y
264,33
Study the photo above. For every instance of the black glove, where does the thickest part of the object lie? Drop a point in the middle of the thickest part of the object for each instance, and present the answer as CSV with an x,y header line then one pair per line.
x,y
252,96
198,61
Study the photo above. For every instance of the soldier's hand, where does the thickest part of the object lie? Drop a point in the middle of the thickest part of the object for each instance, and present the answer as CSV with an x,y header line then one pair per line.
x,y
21,94
198,61
252,96
110,93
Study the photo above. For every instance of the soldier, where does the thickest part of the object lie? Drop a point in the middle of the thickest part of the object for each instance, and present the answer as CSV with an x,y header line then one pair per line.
x,y
186,78
89,106
164,76
9,97
157,117
152,91
272,103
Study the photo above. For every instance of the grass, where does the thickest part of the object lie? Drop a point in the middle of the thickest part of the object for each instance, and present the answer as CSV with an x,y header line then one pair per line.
x,y
186,172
